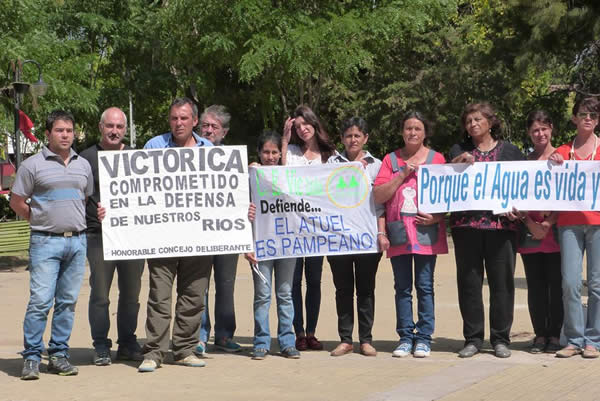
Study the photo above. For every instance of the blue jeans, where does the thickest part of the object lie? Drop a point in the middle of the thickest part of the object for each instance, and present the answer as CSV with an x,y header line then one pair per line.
x,y
129,280
574,240
225,268
284,276
424,266
56,268
313,269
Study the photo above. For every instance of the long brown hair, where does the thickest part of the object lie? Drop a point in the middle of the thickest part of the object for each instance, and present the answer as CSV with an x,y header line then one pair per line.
x,y
325,145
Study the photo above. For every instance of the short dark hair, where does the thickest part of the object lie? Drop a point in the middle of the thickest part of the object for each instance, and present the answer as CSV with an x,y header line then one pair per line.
x,y
268,136
357,122
417,115
488,112
539,116
182,101
586,103
58,115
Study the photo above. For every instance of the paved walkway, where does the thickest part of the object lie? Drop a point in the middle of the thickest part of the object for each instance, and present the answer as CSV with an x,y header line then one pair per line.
x,y
316,376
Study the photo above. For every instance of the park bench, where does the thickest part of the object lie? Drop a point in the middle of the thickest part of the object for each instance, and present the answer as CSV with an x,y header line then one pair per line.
x,y
14,236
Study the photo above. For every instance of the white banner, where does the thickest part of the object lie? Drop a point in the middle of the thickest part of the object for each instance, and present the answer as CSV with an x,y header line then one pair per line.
x,y
313,210
175,202
500,186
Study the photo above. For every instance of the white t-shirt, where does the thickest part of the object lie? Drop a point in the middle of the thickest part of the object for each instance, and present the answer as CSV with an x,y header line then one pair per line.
x,y
295,157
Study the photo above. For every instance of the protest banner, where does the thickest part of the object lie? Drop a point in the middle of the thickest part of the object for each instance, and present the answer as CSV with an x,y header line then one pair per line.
x,y
175,202
500,186
313,210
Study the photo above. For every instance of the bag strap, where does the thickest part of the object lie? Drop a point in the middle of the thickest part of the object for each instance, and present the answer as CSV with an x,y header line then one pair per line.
x,y
430,156
394,160
396,167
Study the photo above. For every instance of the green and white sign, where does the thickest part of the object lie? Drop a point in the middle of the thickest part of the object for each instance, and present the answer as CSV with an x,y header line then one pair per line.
x,y
312,210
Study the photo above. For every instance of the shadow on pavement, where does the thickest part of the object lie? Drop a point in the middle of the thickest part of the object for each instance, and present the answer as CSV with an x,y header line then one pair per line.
x,y
13,263
12,367
77,356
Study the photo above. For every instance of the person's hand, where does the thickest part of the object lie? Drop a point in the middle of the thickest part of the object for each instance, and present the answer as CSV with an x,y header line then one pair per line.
x,y
251,212
101,212
287,130
364,163
425,219
538,230
515,214
254,164
464,157
556,158
407,170
250,257
383,242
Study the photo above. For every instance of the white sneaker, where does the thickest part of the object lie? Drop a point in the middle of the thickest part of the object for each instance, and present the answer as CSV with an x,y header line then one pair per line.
x,y
422,350
192,361
402,350
148,365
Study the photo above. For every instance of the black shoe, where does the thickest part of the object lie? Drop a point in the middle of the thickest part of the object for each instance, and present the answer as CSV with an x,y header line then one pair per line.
x,y
501,350
130,353
538,346
468,351
552,346
291,353
31,370
102,357
61,366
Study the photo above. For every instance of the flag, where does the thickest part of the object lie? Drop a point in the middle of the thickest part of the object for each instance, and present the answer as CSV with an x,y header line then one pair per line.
x,y
25,125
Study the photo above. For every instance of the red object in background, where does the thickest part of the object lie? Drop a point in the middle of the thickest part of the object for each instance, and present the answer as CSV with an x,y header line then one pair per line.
x,y
7,176
25,125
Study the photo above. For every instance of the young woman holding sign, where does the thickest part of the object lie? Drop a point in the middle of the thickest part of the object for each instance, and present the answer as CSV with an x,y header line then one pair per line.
x,y
415,237
484,241
305,142
269,152
579,232
539,249
357,268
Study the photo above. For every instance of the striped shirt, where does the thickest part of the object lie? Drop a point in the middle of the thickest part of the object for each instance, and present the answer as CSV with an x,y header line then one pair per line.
x,y
57,191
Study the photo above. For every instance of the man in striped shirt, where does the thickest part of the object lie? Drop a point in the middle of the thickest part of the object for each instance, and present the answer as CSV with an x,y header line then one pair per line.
x,y
56,181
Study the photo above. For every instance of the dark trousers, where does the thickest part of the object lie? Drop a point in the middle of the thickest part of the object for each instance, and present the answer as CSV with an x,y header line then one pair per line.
x,y
313,270
544,292
225,267
192,275
495,252
348,270
101,277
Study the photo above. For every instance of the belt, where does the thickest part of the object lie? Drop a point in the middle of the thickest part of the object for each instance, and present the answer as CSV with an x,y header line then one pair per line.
x,y
65,234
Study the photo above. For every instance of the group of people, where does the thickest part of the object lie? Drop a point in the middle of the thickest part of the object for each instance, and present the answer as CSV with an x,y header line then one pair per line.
x,y
57,191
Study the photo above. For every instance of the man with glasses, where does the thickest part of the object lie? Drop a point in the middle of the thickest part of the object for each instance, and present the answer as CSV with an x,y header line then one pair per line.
x,y
214,126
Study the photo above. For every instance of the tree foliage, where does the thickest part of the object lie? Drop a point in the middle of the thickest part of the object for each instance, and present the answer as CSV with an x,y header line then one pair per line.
x,y
261,58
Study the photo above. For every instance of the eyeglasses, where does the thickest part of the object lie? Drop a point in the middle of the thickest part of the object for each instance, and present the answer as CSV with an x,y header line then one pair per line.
x,y
590,115
207,126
